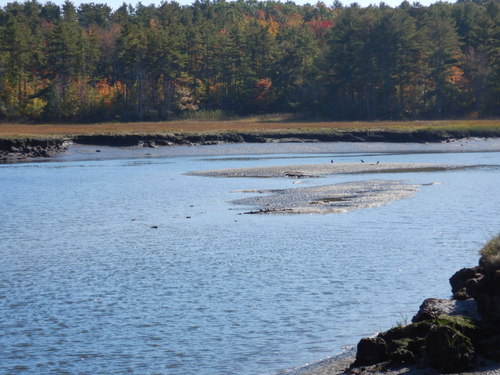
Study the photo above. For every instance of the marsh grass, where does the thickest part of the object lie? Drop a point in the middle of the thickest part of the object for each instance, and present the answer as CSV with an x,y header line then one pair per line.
x,y
207,115
204,122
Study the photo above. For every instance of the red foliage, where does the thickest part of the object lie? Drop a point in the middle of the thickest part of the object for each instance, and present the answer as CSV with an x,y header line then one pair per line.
x,y
263,85
320,26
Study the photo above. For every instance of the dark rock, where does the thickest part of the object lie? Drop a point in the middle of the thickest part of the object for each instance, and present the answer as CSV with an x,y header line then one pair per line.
x,y
371,351
461,324
404,351
490,347
18,149
448,350
434,307
412,331
465,283
488,299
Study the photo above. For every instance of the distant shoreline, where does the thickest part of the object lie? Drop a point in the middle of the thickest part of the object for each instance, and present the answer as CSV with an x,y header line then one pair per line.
x,y
22,141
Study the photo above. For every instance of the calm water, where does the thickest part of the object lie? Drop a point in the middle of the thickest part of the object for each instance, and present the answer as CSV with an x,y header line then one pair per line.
x,y
88,287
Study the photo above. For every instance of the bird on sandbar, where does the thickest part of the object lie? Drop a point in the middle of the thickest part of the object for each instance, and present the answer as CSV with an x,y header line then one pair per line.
x,y
362,161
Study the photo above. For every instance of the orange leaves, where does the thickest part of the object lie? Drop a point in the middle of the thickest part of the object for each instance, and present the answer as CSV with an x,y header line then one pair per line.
x,y
273,27
295,20
262,86
266,20
455,75
106,93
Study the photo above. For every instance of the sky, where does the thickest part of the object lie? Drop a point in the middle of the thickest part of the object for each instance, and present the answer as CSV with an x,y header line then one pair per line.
x,y
114,4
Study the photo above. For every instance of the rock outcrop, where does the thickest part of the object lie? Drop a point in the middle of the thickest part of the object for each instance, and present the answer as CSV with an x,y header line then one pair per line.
x,y
24,148
447,335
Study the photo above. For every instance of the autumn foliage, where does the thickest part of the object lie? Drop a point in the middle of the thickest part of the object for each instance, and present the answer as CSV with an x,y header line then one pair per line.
x,y
92,63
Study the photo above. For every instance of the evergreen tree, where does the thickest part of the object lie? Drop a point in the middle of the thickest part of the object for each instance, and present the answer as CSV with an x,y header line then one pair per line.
x,y
442,48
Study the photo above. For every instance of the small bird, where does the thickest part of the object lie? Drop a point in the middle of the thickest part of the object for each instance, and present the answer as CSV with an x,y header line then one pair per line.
x,y
362,161
378,162
331,161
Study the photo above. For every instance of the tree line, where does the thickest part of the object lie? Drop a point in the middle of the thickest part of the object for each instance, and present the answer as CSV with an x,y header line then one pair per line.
x,y
91,63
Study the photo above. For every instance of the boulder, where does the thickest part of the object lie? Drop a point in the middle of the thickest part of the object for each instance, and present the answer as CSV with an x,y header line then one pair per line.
x,y
433,307
448,350
465,283
371,351
488,299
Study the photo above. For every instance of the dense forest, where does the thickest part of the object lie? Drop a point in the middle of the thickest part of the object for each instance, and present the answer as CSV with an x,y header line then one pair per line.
x,y
92,63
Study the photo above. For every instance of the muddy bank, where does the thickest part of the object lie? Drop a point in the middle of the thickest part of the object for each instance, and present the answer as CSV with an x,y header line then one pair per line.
x,y
152,140
25,148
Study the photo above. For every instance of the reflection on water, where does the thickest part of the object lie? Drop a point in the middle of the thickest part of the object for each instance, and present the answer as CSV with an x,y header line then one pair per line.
x,y
88,285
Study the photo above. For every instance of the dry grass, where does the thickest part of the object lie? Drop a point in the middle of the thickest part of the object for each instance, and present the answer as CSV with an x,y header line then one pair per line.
x,y
264,124
490,253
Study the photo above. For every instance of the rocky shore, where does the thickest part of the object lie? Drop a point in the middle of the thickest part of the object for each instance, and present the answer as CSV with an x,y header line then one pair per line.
x,y
460,335
12,149
27,148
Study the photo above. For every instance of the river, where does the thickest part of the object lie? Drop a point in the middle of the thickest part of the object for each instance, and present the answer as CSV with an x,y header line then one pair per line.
x,y
117,261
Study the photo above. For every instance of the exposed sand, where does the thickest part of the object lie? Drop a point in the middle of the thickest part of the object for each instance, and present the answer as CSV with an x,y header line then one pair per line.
x,y
336,198
317,170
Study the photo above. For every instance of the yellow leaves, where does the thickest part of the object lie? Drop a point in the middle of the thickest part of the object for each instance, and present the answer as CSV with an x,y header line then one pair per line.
x,y
34,107
273,27
106,93
153,23
295,20
266,20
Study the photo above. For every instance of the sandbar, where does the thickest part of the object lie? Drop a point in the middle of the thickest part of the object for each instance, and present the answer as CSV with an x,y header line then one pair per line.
x,y
336,198
318,170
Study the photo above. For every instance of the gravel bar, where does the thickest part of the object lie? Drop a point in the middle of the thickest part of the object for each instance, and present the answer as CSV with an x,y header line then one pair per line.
x,y
337,198
317,170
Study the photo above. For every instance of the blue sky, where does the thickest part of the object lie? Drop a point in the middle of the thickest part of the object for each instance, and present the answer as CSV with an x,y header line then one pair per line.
x,y
117,3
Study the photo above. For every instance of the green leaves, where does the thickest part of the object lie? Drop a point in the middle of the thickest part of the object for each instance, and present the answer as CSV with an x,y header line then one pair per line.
x,y
155,62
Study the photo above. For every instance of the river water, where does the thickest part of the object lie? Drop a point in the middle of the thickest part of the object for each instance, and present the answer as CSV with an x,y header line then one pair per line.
x,y
118,262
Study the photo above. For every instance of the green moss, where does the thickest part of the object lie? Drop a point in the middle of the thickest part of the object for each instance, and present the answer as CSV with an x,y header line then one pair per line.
x,y
458,322
405,344
461,324
448,350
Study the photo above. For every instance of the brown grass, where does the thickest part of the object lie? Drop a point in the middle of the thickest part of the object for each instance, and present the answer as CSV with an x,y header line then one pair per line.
x,y
15,130
490,253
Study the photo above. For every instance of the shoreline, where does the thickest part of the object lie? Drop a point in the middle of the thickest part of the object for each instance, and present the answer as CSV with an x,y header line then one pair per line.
x,y
21,148
339,365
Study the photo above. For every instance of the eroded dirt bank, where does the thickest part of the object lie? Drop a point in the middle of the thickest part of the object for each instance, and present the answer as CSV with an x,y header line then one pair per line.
x,y
12,149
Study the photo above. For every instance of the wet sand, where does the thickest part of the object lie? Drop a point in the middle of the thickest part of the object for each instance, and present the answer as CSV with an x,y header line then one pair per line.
x,y
336,198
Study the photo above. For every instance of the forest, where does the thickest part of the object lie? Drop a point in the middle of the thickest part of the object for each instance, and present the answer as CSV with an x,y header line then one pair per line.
x,y
149,63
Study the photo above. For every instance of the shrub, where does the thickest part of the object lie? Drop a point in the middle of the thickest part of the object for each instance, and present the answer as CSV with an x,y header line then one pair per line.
x,y
490,253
